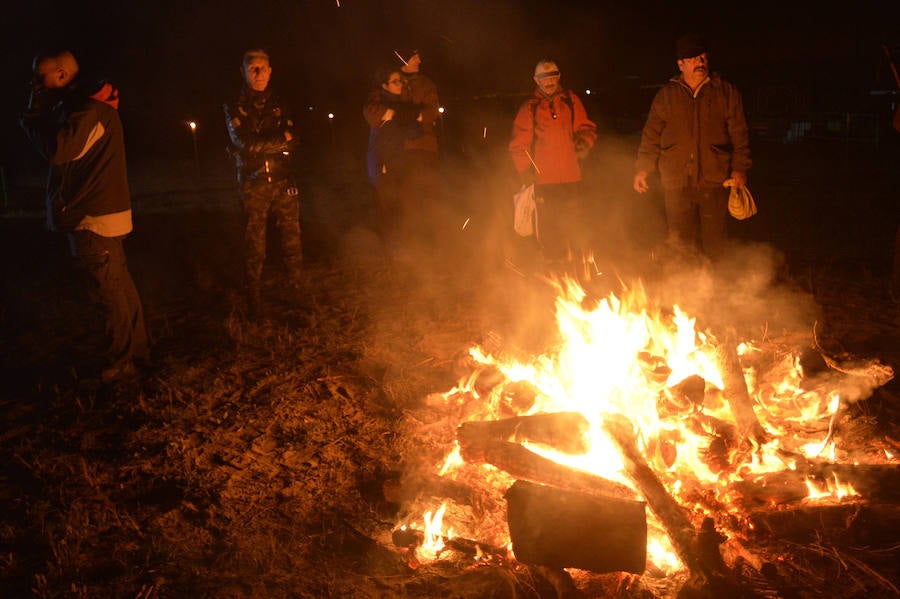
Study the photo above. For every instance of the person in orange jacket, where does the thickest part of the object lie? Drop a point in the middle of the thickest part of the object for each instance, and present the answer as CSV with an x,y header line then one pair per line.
x,y
551,135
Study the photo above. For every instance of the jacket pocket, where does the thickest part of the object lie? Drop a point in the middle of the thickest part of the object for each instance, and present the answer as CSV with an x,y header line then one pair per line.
x,y
718,167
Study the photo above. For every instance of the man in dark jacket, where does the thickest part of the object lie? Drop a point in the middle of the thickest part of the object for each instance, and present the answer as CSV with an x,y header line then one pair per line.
x,y
696,135
425,184
76,127
262,135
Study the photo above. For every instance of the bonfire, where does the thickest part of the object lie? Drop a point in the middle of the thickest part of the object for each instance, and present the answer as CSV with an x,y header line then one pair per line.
x,y
642,445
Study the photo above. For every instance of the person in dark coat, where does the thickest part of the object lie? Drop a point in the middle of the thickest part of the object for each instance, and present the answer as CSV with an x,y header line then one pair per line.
x,y
75,125
262,136
393,122
696,135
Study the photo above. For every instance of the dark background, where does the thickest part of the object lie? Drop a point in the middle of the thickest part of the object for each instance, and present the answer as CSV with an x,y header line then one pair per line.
x,y
178,60
810,72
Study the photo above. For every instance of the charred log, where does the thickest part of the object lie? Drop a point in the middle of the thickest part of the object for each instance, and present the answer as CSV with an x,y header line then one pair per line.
x,y
411,538
698,550
735,391
527,465
874,482
561,529
409,488
868,525
564,431
670,514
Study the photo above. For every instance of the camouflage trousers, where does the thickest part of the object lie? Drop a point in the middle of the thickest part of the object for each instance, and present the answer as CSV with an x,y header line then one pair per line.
x,y
258,202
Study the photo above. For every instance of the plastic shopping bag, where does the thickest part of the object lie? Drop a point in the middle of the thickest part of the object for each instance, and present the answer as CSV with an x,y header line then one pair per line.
x,y
740,201
525,221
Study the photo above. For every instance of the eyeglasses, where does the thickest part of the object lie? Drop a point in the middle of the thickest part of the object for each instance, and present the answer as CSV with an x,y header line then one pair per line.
x,y
548,75
397,82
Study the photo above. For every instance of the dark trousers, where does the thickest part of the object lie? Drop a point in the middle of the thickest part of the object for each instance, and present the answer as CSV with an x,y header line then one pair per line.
x,y
101,261
259,200
559,220
696,219
408,202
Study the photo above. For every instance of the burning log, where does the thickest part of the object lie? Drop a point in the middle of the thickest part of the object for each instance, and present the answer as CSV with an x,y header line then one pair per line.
x,y
561,529
871,525
672,516
735,391
698,550
564,431
409,488
527,465
411,538
877,482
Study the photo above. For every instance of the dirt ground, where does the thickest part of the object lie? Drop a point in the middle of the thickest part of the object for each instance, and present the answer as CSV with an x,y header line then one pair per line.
x,y
250,461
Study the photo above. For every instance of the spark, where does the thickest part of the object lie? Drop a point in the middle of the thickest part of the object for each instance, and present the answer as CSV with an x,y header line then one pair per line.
x,y
527,153
465,224
397,54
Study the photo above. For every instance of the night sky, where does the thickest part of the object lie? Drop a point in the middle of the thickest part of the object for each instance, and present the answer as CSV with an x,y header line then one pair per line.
x,y
175,60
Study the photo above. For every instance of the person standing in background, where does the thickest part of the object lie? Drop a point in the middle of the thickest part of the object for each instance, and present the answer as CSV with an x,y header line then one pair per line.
x,y
262,137
551,135
75,125
696,135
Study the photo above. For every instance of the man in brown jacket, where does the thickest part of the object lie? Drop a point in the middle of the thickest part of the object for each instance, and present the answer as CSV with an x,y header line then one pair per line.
x,y
696,135
424,184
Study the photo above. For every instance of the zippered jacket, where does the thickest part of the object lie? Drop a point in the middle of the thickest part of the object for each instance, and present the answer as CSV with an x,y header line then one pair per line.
x,y
695,138
548,129
81,137
256,123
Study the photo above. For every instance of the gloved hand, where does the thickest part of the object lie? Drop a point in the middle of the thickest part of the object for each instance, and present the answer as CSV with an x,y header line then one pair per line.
x,y
582,148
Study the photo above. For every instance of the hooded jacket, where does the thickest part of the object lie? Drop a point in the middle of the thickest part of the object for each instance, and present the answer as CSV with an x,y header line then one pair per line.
x,y
695,138
549,128
81,137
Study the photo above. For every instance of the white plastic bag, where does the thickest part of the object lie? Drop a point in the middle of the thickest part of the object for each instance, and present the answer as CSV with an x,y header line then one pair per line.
x,y
525,221
740,201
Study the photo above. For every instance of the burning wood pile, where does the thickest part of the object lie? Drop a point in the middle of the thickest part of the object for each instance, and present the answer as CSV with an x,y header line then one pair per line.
x,y
723,441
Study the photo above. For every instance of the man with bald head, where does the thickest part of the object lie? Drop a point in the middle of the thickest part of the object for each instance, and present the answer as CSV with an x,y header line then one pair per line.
x,y
551,135
263,137
75,125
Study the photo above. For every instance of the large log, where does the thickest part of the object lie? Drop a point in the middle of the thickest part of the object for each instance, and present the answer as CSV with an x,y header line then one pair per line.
x,y
856,524
671,515
873,482
737,394
410,487
527,465
562,529
697,549
564,431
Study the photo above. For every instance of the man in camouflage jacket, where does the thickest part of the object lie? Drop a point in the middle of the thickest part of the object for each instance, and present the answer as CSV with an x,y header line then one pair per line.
x,y
262,136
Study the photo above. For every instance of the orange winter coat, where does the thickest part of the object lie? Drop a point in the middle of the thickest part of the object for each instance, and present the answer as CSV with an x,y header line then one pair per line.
x,y
548,129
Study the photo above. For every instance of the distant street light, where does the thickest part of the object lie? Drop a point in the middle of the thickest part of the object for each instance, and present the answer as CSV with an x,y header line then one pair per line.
x,y
193,127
